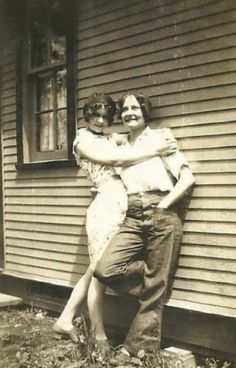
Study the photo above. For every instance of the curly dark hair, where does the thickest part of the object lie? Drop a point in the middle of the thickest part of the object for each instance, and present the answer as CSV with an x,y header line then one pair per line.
x,y
144,102
95,102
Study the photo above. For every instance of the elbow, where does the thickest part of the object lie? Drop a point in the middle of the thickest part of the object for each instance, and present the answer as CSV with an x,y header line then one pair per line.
x,y
76,150
190,180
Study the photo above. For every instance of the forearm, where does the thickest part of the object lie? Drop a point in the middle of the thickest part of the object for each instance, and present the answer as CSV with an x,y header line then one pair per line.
x,y
94,152
185,181
131,156
121,156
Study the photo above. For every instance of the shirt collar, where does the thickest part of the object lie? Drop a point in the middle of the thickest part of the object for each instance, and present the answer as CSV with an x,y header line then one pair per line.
x,y
144,133
95,133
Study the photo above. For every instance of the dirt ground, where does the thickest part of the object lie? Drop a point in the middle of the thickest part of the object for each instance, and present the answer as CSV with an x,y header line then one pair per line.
x,y
27,341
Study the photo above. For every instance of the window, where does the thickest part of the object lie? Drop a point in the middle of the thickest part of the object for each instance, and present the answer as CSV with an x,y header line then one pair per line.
x,y
46,83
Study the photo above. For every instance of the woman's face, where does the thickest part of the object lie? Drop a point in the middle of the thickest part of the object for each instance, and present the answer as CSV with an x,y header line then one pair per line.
x,y
98,121
131,114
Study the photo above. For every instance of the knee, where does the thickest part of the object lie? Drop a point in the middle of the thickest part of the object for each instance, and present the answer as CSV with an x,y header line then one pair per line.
x,y
106,272
101,272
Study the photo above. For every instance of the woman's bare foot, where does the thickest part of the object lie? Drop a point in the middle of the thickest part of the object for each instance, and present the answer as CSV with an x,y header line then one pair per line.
x,y
104,347
61,330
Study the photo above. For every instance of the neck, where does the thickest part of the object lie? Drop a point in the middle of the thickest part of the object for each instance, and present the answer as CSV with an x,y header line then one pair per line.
x,y
92,131
134,134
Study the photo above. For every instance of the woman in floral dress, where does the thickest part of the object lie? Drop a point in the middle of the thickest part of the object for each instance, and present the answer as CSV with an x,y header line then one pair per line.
x,y
107,211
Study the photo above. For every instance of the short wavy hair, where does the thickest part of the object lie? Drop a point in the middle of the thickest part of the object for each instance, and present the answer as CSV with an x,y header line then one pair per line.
x,y
97,101
144,102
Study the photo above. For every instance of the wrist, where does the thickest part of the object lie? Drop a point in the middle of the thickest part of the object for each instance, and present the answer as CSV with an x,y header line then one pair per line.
x,y
163,204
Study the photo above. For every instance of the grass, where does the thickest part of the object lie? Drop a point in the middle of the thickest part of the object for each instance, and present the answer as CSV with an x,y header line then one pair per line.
x,y
26,341
215,363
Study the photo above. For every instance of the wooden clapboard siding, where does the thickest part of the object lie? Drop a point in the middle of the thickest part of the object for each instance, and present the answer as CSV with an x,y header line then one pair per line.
x,y
183,54
143,18
197,46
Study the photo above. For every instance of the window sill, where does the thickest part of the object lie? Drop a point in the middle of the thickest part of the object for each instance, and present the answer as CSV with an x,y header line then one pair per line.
x,y
46,165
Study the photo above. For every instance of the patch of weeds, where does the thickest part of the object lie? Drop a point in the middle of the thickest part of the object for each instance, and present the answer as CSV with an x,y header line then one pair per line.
x,y
162,360
91,353
158,360
215,363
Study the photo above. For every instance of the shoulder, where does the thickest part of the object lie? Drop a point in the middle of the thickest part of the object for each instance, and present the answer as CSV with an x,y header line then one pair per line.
x,y
163,132
157,135
83,134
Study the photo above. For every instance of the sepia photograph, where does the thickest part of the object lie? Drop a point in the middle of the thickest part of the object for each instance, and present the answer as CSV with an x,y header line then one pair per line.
x,y
118,183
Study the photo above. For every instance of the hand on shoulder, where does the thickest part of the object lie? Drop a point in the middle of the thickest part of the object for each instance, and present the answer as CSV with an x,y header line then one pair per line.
x,y
165,142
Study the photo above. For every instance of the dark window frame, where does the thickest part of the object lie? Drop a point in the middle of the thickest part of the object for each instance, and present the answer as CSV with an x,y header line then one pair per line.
x,y
22,79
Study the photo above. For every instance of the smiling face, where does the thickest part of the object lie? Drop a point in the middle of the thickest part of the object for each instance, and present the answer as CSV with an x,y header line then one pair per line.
x,y
99,120
132,115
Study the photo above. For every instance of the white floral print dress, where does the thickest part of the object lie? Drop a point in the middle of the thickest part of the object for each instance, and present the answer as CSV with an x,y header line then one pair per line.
x,y
107,211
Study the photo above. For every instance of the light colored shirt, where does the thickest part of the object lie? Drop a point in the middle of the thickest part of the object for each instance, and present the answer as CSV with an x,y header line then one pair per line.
x,y
157,173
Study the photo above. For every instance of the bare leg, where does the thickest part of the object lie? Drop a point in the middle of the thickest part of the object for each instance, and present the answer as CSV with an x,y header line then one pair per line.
x,y
64,324
95,307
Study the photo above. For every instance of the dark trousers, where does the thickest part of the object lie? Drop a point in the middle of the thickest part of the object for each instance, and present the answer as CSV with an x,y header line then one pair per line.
x,y
141,260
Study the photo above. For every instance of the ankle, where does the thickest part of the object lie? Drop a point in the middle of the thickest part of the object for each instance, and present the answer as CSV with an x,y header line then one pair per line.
x,y
100,337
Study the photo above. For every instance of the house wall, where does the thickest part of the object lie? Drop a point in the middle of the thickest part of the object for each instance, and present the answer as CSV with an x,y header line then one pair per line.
x,y
44,210
182,54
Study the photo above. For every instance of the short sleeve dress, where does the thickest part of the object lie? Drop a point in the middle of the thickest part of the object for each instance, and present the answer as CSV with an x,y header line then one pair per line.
x,y
107,211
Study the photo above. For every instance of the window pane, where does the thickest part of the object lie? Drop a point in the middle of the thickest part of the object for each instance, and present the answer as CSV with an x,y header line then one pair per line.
x,y
45,94
38,34
61,88
62,130
46,132
58,49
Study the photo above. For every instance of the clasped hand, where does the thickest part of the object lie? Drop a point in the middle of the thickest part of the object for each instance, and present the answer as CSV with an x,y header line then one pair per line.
x,y
166,146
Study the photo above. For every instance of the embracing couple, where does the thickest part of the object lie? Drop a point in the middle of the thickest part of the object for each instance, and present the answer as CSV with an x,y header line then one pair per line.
x,y
134,232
